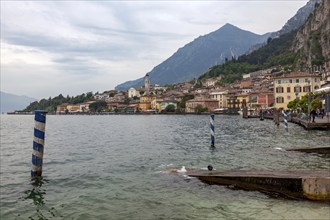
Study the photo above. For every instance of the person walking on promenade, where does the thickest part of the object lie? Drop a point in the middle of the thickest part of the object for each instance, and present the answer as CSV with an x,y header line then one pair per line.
x,y
313,114
322,113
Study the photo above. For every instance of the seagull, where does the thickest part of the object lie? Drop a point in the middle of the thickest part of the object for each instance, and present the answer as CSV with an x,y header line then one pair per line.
x,y
182,170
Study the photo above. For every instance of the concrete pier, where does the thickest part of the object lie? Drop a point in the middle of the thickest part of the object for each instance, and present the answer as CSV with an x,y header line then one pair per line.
x,y
312,185
319,124
318,150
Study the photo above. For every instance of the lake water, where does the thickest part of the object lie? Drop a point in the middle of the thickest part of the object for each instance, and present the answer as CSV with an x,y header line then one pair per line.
x,y
115,167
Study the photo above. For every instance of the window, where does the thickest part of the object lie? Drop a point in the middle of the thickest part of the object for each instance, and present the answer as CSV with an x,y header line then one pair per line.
x,y
306,80
306,89
297,80
297,89
279,99
290,80
279,89
288,89
279,81
316,87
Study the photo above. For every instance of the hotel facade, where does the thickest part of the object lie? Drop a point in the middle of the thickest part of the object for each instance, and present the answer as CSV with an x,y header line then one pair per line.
x,y
294,85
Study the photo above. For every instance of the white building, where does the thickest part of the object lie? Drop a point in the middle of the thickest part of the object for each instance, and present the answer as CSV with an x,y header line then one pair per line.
x,y
133,93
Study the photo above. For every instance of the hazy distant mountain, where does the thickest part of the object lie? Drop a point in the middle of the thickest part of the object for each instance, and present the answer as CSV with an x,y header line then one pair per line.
x,y
199,55
298,19
11,102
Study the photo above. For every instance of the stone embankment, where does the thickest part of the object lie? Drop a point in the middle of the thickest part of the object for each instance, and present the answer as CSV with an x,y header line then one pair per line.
x,y
311,185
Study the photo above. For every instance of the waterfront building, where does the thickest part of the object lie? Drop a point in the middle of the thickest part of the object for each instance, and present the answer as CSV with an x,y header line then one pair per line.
x,y
145,103
62,108
112,105
155,103
210,104
73,108
240,98
263,99
293,85
232,102
127,108
221,96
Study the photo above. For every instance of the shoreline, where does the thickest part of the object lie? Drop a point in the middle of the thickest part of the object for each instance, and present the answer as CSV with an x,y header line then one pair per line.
x,y
121,113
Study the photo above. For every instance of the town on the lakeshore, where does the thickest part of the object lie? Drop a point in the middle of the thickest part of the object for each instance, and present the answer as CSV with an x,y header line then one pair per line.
x,y
264,89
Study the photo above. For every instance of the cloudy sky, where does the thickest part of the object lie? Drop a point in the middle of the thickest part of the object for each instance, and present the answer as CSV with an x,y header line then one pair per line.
x,y
73,47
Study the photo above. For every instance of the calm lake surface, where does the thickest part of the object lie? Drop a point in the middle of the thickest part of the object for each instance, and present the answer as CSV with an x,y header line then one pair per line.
x,y
116,167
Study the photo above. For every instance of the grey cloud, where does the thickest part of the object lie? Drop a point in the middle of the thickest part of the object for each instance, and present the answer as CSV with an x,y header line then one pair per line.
x,y
80,37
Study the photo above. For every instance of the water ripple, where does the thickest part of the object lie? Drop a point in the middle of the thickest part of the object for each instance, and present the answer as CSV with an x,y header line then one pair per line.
x,y
114,167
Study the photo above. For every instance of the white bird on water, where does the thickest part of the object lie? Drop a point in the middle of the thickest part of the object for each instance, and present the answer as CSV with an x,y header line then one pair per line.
x,y
182,170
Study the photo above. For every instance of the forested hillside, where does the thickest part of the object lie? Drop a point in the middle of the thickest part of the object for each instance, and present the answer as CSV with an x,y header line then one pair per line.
x,y
276,52
51,103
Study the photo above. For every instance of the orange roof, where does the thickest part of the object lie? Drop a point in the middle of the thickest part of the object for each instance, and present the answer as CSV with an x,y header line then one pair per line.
x,y
295,75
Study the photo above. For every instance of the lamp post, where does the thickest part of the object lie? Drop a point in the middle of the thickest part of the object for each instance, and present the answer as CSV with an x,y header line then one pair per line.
x,y
296,93
309,98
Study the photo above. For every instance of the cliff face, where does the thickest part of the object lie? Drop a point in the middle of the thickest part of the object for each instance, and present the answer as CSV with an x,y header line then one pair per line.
x,y
312,41
298,19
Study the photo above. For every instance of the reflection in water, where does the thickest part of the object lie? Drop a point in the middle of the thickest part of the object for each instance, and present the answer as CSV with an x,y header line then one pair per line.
x,y
37,195
113,165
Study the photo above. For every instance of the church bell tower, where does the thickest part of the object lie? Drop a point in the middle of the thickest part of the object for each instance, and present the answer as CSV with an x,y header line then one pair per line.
x,y
147,84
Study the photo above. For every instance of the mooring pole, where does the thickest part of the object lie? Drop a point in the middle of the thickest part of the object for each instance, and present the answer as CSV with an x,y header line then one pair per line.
x,y
38,142
285,116
261,115
278,117
212,129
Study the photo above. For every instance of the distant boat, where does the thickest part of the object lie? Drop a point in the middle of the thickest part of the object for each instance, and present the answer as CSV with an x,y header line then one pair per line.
x,y
220,110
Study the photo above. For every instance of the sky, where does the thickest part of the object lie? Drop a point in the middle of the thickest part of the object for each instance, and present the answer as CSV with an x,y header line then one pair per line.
x,y
73,47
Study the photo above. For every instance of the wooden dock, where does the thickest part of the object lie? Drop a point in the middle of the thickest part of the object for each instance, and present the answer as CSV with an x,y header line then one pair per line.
x,y
312,185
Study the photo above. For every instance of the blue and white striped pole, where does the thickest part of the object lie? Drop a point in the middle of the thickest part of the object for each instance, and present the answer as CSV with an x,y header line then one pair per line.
x,y
285,115
212,129
38,142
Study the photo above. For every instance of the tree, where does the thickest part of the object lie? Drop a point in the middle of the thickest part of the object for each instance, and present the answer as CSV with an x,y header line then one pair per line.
x,y
303,103
182,103
169,108
316,103
50,104
293,104
98,106
199,109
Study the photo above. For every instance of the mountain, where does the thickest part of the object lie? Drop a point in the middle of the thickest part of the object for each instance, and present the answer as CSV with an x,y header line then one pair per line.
x,y
297,50
298,19
199,55
312,41
11,102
